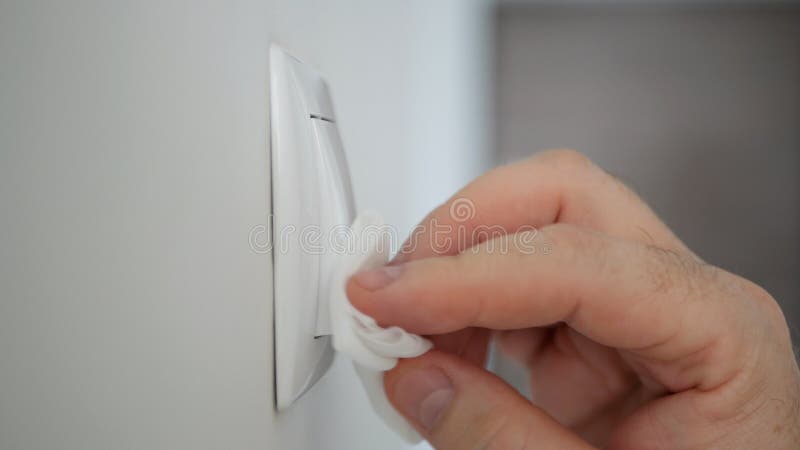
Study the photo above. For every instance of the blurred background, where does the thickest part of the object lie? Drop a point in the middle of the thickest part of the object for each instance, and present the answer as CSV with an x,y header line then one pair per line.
x,y
134,160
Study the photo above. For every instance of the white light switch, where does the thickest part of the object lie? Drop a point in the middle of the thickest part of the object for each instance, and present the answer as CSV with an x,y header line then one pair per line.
x,y
312,203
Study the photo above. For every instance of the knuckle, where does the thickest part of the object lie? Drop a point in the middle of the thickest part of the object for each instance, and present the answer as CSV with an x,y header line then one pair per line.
x,y
669,271
769,308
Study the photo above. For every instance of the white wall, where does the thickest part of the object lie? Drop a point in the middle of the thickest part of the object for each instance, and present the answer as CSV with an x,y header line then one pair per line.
x,y
133,163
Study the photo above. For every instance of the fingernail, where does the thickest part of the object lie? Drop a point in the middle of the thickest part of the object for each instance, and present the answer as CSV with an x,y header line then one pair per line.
x,y
375,279
424,395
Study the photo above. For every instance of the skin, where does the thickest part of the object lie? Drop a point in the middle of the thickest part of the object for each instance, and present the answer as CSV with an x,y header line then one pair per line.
x,y
632,341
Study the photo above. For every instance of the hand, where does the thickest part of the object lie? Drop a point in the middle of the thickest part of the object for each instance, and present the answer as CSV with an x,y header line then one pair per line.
x,y
632,341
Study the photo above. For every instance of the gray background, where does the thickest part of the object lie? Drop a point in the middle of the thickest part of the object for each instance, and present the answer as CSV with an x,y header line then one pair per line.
x,y
697,108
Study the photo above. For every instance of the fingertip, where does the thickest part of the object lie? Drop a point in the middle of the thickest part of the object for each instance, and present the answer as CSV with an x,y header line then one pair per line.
x,y
359,297
433,359
444,361
415,296
419,390
378,278
456,405
366,291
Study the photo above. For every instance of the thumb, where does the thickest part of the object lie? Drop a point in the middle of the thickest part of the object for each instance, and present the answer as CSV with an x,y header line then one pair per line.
x,y
456,405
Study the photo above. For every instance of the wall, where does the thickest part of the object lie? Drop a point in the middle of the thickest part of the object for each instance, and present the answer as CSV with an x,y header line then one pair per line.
x,y
133,163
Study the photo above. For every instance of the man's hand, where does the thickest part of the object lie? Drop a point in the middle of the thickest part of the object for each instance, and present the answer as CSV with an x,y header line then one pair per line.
x,y
631,340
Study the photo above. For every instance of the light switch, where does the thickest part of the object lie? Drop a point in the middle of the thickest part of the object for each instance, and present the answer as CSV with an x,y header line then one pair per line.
x,y
312,204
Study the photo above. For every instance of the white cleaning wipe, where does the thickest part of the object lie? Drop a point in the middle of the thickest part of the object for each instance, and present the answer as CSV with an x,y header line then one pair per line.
x,y
373,349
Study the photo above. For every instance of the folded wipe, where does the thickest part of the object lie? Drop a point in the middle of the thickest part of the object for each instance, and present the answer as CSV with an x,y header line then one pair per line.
x,y
372,348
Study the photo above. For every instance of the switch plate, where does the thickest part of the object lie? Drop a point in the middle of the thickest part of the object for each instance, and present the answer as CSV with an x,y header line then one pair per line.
x,y
311,200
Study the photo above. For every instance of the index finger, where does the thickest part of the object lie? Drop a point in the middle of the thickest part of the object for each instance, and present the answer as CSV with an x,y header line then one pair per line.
x,y
616,292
